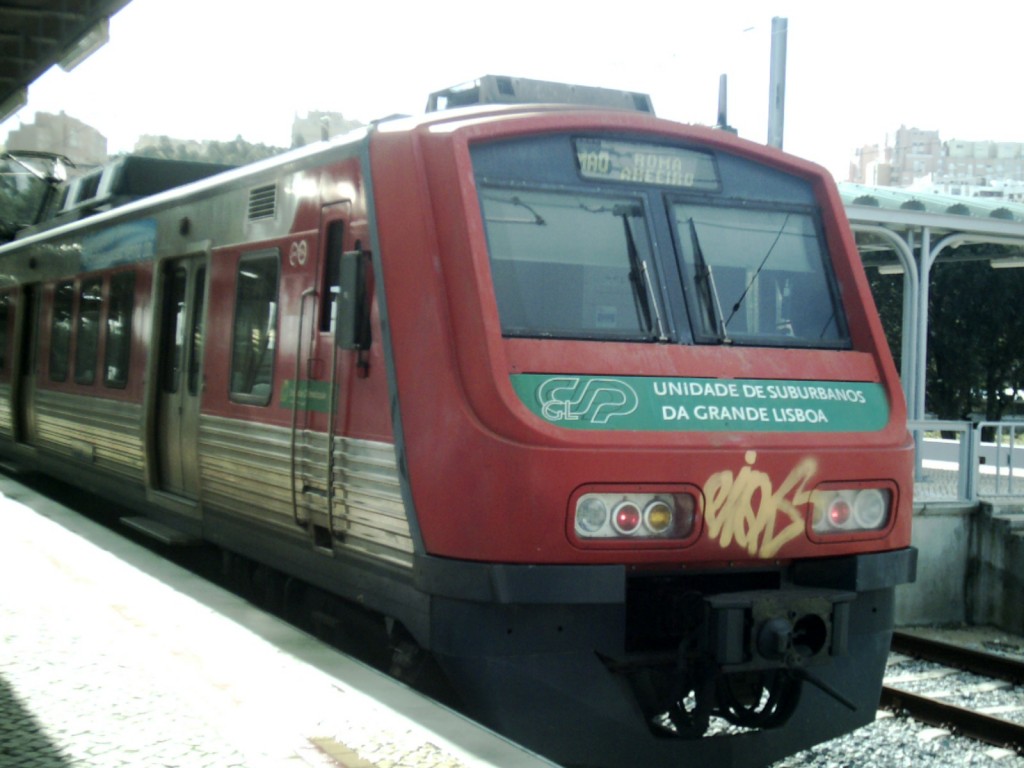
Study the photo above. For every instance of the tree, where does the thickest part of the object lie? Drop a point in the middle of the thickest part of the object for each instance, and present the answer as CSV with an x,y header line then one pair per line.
x,y
975,333
976,336
236,152
21,192
887,291
954,369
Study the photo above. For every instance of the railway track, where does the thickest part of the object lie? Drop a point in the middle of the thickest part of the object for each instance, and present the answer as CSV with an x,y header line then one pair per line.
x,y
964,691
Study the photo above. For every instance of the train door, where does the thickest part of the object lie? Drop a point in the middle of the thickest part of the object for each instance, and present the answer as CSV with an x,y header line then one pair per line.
x,y
320,383
23,380
339,242
179,379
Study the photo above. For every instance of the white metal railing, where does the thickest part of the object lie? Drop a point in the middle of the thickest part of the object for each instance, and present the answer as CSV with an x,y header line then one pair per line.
x,y
962,461
998,460
943,459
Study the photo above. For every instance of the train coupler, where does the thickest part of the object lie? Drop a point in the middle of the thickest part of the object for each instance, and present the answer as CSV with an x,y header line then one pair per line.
x,y
744,658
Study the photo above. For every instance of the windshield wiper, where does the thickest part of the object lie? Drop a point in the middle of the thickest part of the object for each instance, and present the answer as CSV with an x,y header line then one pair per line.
x,y
534,218
640,276
753,279
709,293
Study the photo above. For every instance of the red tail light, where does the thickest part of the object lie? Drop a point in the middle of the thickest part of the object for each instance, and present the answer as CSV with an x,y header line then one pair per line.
x,y
838,513
626,518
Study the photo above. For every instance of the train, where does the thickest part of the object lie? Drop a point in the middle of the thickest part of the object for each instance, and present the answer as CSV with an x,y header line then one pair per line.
x,y
591,408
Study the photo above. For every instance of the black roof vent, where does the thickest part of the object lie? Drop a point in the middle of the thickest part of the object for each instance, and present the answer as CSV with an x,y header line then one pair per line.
x,y
498,89
263,202
124,180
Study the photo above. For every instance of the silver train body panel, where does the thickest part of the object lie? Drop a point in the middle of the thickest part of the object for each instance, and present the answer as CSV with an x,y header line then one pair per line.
x,y
244,470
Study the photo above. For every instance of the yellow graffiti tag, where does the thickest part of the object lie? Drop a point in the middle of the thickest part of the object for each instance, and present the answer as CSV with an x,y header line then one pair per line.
x,y
746,509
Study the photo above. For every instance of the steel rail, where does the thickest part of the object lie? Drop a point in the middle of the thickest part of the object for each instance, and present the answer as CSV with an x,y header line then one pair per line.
x,y
967,659
965,722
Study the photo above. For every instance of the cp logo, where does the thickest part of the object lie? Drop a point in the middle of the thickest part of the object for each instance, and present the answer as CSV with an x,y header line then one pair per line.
x,y
570,398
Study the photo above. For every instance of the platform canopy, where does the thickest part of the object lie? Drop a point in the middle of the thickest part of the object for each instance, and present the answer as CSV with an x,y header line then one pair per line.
x,y
36,34
905,232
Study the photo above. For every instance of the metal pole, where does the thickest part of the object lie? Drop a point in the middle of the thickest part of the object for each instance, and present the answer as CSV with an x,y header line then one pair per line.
x,y
908,360
723,105
923,274
777,95
723,101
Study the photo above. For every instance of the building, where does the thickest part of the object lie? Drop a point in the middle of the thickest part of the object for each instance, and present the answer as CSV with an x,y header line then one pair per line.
x,y
981,168
920,160
915,154
872,165
62,135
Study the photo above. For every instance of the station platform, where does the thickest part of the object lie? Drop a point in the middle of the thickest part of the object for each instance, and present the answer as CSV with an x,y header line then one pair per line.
x,y
112,656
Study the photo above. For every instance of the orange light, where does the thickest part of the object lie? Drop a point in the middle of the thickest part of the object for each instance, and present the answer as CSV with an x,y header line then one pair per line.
x,y
658,516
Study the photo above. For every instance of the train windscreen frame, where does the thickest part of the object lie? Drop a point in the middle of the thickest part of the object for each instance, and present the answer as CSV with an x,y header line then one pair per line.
x,y
671,244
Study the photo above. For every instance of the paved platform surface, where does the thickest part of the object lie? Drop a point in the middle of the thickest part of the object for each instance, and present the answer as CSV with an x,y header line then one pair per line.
x,y
111,656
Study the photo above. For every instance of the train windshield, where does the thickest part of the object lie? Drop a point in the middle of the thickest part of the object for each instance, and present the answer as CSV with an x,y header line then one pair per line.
x,y
571,265
755,276
621,240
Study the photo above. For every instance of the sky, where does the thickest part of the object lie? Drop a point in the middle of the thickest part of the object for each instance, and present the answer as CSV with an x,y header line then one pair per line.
x,y
855,72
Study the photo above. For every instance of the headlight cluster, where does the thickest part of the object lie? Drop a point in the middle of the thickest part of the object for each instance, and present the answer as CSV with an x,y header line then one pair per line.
x,y
851,511
634,515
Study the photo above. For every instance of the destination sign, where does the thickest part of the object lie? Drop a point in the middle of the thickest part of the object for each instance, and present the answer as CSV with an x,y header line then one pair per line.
x,y
636,163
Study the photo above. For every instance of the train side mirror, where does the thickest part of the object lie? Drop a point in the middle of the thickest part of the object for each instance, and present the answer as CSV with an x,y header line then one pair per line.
x,y
352,302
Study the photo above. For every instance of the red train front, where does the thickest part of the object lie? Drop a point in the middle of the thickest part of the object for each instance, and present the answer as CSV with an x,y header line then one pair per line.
x,y
592,407
682,475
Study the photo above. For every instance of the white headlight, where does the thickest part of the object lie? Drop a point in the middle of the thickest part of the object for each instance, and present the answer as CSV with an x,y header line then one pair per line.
x,y
870,509
591,515
851,511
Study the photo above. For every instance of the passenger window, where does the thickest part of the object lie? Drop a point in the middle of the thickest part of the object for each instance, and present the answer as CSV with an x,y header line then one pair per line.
x,y
172,343
255,329
5,337
332,275
60,330
195,355
90,301
119,330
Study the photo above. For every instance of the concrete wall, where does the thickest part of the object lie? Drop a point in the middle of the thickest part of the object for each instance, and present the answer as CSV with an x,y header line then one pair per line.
x,y
995,573
942,535
970,567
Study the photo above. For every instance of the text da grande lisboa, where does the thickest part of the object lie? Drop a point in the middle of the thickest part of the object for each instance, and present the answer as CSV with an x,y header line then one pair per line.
x,y
735,401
